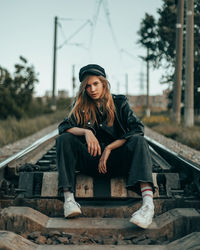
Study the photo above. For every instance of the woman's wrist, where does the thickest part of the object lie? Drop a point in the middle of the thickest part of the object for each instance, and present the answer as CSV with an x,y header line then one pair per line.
x,y
116,144
78,131
86,131
108,147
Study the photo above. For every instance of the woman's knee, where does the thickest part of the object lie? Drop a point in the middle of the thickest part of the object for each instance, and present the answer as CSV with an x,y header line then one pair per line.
x,y
65,138
136,139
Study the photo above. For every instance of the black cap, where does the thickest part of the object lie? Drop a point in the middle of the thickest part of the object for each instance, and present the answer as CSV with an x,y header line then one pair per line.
x,y
91,69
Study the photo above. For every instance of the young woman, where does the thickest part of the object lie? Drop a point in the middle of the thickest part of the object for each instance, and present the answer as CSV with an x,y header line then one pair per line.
x,y
102,136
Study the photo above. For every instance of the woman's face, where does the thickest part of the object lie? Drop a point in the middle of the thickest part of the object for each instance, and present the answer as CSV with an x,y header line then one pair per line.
x,y
94,87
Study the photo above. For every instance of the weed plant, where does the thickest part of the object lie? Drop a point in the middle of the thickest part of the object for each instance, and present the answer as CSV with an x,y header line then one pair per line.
x,y
163,125
12,129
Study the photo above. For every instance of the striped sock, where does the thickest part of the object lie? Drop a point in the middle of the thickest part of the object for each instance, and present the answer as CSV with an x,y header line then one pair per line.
x,y
147,195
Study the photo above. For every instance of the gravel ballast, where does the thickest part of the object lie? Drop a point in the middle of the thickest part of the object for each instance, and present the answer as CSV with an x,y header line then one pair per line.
x,y
177,147
19,145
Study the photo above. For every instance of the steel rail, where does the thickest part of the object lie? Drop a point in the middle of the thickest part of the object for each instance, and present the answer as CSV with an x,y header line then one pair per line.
x,y
29,149
171,156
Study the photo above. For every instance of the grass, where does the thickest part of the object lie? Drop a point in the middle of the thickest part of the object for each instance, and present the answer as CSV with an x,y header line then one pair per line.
x,y
12,130
163,125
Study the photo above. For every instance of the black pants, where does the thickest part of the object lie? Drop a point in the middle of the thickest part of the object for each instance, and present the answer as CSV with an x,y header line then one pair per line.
x,y
132,160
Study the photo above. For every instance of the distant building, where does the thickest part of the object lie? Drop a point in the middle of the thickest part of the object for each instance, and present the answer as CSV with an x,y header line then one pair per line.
x,y
48,93
63,94
157,102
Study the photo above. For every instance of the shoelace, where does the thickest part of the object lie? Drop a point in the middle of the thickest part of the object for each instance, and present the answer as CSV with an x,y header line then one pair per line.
x,y
143,210
73,201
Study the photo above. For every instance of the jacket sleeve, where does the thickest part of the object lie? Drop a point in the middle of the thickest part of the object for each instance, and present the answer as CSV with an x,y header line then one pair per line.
x,y
67,123
133,125
70,122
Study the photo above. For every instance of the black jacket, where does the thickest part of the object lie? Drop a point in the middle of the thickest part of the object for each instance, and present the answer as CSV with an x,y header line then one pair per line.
x,y
129,124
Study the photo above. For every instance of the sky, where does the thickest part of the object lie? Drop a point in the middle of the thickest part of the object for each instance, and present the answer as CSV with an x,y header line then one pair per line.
x,y
89,31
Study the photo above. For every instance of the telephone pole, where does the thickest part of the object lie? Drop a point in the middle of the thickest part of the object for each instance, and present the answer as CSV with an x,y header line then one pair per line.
x,y
189,67
54,63
147,96
176,115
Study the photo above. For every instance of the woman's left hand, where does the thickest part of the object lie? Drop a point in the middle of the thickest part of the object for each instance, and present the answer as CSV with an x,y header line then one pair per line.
x,y
102,161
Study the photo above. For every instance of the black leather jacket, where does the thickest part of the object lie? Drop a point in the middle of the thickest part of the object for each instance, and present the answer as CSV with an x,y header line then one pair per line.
x,y
129,124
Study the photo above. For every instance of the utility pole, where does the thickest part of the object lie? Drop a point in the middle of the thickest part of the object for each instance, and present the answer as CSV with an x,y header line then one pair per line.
x,y
189,67
147,97
54,63
176,114
73,80
126,83
141,82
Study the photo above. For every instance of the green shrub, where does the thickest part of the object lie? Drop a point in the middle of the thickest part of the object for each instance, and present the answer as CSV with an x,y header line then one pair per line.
x,y
169,130
187,136
155,120
13,129
190,137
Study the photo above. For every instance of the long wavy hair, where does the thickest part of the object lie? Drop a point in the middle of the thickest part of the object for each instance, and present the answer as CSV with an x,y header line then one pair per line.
x,y
85,107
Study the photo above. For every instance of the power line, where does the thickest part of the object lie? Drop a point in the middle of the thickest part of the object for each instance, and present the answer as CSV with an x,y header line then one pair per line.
x,y
95,22
62,31
71,19
107,13
70,37
64,36
129,54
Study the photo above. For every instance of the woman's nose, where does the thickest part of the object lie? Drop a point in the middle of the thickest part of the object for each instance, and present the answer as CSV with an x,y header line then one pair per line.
x,y
92,88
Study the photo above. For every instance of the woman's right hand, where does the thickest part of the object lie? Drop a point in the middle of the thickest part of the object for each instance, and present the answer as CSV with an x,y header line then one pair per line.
x,y
92,143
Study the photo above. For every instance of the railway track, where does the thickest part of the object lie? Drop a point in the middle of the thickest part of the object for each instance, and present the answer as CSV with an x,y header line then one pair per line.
x,y
31,208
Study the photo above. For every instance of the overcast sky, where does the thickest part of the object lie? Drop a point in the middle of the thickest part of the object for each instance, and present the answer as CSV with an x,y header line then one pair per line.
x,y
27,28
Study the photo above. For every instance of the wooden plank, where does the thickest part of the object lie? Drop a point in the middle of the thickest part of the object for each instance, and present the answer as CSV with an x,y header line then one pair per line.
x,y
118,187
88,187
131,194
50,184
156,194
84,186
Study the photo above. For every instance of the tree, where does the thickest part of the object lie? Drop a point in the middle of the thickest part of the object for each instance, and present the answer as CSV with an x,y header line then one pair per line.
x,y
147,39
163,48
23,84
16,91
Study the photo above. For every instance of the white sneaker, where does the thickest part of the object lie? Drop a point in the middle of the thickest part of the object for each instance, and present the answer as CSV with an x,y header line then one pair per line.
x,y
71,208
143,217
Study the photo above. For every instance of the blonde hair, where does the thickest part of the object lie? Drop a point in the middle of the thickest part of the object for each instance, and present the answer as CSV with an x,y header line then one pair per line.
x,y
85,106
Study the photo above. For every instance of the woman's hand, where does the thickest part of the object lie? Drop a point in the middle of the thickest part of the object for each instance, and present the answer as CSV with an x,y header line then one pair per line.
x,y
102,162
92,142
